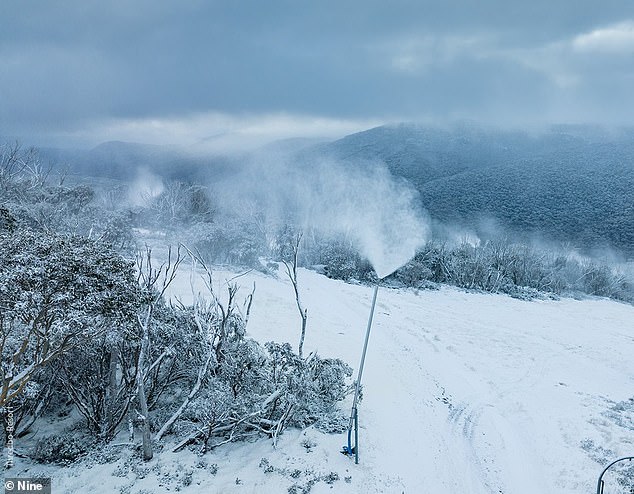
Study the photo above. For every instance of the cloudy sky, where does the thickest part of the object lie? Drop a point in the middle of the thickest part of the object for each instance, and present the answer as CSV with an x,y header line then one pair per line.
x,y
83,71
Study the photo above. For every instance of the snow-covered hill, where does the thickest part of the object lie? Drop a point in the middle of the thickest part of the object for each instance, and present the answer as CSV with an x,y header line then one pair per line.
x,y
463,393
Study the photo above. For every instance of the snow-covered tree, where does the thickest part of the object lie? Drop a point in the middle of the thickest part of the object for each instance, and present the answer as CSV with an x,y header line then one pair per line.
x,y
56,291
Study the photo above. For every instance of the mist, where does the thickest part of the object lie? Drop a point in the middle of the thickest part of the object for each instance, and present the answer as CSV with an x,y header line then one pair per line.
x,y
145,187
389,189
380,214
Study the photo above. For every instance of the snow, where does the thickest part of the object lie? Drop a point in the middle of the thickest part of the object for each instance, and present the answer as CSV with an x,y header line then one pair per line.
x,y
463,392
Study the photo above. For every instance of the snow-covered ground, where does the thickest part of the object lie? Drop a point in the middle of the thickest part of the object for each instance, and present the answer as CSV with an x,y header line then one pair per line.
x,y
463,393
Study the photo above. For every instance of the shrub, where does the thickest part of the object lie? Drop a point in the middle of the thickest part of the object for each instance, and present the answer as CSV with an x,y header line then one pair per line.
x,y
61,449
518,270
234,241
341,261
265,390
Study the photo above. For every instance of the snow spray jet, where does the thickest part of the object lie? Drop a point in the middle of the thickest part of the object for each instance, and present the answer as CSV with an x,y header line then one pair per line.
x,y
145,187
379,213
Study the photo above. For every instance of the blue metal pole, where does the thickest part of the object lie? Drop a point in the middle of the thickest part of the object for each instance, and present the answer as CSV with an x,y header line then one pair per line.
x,y
354,415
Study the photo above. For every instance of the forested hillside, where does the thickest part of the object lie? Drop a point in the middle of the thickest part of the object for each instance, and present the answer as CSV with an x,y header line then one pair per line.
x,y
567,184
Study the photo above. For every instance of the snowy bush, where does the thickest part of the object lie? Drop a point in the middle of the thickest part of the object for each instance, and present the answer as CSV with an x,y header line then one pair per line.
x,y
61,449
117,231
236,241
340,260
179,203
310,388
414,273
518,270
603,281
340,263
258,390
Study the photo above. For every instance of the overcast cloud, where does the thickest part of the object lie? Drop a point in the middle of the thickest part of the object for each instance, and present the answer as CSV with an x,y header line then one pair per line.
x,y
82,71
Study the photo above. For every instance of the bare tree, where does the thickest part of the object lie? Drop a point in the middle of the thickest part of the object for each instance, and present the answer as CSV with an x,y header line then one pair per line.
x,y
155,282
291,271
13,162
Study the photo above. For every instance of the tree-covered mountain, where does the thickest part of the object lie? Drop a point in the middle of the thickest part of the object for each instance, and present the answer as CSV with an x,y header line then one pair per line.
x,y
568,183
584,196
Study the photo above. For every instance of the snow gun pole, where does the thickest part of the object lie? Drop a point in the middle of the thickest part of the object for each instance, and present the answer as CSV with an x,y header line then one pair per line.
x,y
354,415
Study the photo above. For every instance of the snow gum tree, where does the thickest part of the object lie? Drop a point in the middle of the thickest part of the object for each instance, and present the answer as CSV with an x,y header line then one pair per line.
x,y
153,282
56,292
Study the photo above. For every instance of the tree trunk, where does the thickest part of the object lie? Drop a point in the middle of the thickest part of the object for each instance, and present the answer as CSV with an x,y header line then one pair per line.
x,y
147,437
111,394
303,333
143,409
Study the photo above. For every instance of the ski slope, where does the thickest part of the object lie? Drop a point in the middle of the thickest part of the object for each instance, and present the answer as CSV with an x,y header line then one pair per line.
x,y
463,393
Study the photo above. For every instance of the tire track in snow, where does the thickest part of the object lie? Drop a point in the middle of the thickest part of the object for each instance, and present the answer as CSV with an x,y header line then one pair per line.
x,y
452,456
492,443
464,419
486,449
464,423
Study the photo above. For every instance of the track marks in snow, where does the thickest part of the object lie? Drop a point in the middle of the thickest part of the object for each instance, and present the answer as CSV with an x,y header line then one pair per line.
x,y
463,419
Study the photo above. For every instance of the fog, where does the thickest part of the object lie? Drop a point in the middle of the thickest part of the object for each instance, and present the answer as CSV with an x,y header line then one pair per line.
x,y
145,187
379,213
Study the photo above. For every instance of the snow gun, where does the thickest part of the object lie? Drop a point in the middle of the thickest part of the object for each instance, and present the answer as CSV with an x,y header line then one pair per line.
x,y
350,450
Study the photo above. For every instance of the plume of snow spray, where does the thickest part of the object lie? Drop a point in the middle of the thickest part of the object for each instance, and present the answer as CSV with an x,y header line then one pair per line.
x,y
380,214
146,186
